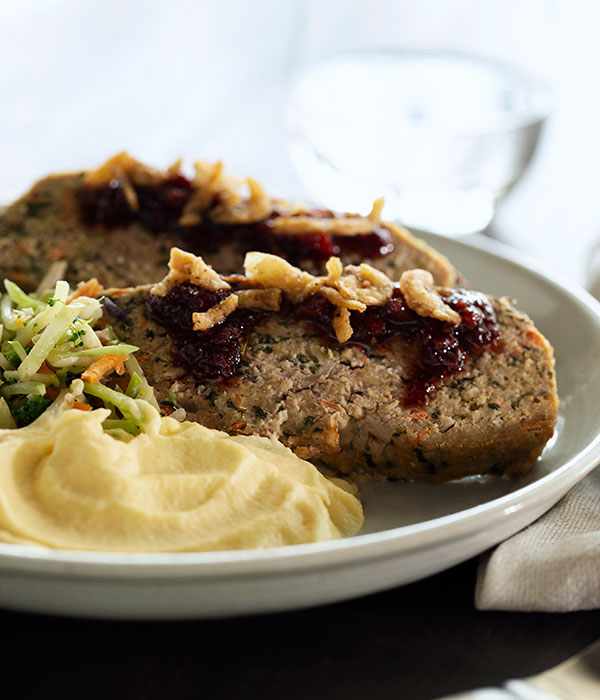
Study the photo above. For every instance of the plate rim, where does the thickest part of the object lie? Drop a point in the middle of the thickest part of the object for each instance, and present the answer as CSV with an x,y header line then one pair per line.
x,y
332,553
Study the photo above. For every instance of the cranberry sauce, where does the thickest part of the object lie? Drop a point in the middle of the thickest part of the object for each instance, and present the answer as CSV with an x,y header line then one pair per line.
x,y
208,355
160,208
443,349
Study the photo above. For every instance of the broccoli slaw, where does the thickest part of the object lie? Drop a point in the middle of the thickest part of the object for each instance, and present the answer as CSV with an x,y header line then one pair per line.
x,y
54,341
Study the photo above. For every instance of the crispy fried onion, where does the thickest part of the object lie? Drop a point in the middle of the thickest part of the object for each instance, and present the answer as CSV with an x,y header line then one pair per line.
x,y
421,296
128,171
230,200
265,299
272,271
348,225
351,288
203,320
186,267
268,277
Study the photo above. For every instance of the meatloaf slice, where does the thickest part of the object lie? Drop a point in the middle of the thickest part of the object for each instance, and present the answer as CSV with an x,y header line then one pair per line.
x,y
407,396
118,223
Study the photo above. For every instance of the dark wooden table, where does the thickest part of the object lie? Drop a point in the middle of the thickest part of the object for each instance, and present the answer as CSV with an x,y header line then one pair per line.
x,y
420,641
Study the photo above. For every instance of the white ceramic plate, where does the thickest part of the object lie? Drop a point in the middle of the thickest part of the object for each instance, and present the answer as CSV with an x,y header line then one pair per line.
x,y
411,530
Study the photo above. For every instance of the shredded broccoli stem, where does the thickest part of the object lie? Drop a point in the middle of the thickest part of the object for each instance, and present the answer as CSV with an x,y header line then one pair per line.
x,y
47,341
18,349
48,379
27,388
125,404
121,349
6,419
19,298
129,426
6,313
135,386
146,392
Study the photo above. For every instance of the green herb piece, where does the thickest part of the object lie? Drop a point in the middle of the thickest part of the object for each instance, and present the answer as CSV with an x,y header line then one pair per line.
x,y
461,384
259,412
520,398
308,421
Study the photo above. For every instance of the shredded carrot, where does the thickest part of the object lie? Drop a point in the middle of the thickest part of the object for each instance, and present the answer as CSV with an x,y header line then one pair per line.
x,y
420,436
238,426
540,425
328,404
418,415
80,406
534,338
44,369
51,392
100,367
91,288
55,253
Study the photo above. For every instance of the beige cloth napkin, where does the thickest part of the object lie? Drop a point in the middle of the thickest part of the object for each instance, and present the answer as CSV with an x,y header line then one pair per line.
x,y
551,566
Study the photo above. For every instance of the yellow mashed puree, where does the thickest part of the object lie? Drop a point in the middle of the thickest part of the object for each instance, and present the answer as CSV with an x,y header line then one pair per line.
x,y
66,483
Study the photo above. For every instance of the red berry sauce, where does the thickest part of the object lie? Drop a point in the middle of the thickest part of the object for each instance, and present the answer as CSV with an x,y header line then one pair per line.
x,y
160,208
443,349
210,355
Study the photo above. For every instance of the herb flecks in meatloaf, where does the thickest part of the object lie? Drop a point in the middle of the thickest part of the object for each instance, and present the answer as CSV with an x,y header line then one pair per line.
x,y
117,223
347,405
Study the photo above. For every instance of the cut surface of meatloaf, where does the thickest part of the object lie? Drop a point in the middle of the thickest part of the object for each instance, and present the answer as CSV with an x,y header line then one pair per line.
x,y
118,223
355,408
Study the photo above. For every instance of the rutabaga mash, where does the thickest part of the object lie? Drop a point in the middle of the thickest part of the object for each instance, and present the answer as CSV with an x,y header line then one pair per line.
x,y
66,483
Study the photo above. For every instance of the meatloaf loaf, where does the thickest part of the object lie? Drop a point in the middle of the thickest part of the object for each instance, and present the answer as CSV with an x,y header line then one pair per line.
x,y
118,223
367,377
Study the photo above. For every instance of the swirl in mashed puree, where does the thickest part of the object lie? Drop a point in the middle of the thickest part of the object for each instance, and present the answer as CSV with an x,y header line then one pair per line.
x,y
65,483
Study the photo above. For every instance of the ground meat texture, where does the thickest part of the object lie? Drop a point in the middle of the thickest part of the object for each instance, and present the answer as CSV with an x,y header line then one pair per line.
x,y
341,406
55,221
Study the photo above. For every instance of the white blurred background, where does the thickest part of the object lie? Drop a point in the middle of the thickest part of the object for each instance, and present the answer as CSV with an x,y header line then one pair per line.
x,y
207,79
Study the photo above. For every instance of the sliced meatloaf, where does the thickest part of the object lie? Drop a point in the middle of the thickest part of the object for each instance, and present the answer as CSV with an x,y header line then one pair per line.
x,y
118,223
420,383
